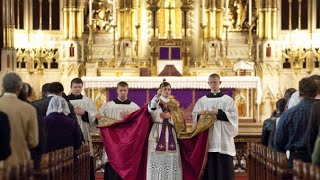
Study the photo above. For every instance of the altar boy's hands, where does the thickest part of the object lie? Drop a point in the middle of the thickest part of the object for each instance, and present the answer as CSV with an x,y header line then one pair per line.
x,y
79,111
213,112
124,114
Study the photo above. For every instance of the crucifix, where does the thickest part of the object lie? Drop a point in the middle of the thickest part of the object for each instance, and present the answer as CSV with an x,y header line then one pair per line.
x,y
169,31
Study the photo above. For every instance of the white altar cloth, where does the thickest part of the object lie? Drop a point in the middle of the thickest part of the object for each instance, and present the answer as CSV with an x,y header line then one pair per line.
x,y
190,82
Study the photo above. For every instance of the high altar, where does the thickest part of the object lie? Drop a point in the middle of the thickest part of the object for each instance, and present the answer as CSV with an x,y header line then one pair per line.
x,y
259,47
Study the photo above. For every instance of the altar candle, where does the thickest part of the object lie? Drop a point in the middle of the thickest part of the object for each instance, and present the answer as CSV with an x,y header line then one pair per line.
x,y
250,11
114,12
90,12
203,13
137,11
226,9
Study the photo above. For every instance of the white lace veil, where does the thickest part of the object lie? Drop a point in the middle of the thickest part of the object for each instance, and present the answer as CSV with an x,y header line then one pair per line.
x,y
58,104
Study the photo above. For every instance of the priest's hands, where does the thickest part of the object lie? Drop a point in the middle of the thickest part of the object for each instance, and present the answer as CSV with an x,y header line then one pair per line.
x,y
165,115
79,111
159,93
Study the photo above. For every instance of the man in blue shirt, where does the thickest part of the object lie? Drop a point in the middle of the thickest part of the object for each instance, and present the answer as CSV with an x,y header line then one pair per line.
x,y
291,131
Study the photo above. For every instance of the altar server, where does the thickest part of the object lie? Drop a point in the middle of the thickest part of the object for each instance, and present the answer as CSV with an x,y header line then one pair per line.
x,y
221,146
85,109
117,109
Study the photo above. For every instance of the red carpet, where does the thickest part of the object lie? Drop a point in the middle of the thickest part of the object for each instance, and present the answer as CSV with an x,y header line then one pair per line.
x,y
99,176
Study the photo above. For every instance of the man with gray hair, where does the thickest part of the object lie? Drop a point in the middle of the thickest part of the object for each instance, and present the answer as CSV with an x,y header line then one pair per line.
x,y
22,120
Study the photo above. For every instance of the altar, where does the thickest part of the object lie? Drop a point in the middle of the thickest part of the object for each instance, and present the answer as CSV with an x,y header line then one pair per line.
x,y
246,90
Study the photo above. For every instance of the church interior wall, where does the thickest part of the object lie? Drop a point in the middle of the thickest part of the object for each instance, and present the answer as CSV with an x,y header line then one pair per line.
x,y
116,39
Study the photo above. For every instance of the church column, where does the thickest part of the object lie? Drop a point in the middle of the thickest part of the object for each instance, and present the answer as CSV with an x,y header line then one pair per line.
x,y
40,14
125,19
213,24
65,19
261,12
185,8
220,19
8,22
50,15
153,7
274,19
268,23
72,56
79,19
72,19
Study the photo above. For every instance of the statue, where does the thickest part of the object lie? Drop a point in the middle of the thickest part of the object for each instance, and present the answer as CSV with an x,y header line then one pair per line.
x,y
71,50
102,16
241,13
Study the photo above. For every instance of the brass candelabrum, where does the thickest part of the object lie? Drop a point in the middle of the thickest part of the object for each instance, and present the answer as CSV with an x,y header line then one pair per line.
x,y
37,58
298,56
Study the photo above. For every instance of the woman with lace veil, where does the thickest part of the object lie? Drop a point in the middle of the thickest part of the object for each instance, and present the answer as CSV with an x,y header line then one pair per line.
x,y
62,131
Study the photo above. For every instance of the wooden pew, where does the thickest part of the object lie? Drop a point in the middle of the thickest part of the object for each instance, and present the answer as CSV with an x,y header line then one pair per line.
x,y
267,164
20,171
56,165
303,170
82,163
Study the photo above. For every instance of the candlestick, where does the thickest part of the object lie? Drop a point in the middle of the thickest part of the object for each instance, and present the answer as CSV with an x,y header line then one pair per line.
x,y
250,12
114,12
203,13
137,11
227,10
90,12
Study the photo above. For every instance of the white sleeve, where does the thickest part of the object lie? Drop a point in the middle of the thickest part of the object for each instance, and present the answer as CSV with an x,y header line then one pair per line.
x,y
92,110
103,109
154,104
231,126
136,107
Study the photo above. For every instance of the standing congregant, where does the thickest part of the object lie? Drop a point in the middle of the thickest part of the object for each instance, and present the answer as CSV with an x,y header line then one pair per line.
x,y
221,147
22,119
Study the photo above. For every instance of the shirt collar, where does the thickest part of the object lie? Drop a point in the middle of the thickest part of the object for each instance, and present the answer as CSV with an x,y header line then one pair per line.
x,y
118,101
215,95
10,94
73,97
